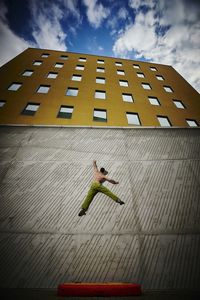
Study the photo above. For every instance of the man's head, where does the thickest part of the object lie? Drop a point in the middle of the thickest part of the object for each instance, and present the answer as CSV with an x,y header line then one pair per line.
x,y
103,171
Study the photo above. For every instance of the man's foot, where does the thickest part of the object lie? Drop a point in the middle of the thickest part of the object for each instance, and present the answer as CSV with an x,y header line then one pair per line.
x,y
82,212
120,202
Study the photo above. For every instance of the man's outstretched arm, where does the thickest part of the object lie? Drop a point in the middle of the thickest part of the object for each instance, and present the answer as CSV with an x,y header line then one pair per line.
x,y
95,165
111,180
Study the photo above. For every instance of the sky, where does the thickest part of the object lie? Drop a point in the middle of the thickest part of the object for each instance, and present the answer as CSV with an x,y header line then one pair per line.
x,y
159,31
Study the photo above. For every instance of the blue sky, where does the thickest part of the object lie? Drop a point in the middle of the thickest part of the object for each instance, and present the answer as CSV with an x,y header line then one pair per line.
x,y
161,31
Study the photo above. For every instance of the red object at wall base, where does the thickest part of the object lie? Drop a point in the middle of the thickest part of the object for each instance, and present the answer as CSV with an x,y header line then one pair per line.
x,y
85,289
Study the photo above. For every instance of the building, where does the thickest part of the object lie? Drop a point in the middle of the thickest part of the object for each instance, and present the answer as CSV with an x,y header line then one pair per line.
x,y
46,87
45,172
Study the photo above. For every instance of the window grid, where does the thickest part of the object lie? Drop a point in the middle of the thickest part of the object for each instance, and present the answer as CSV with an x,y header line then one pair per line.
x,y
118,64
136,66
15,86
65,112
100,70
52,75
133,118
100,115
100,94
27,73
64,57
72,92
153,69
76,77
100,61
168,89
179,104
120,72
30,109
37,62
191,123
59,65
123,82
43,89
2,103
164,121
100,80
141,75
160,77
45,55
80,67
154,101
83,59
127,97
146,86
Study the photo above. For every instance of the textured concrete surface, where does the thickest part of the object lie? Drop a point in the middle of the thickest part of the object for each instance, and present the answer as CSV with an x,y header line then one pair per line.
x,y
154,239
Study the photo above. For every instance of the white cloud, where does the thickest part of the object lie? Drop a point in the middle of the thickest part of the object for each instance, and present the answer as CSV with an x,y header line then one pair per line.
x,y
122,13
71,5
138,3
178,46
11,44
47,30
96,13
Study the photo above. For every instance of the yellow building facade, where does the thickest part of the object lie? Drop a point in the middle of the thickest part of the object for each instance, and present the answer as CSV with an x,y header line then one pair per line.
x,y
47,87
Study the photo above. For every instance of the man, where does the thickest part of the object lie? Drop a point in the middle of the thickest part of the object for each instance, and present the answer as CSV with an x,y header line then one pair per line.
x,y
97,186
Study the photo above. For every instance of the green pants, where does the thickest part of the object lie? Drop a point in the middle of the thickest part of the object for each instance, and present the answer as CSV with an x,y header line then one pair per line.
x,y
94,189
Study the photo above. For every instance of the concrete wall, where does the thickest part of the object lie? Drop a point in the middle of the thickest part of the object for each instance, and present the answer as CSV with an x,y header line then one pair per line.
x,y
154,239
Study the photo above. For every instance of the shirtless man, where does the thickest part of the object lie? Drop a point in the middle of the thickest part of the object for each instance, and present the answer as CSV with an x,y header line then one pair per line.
x,y
99,178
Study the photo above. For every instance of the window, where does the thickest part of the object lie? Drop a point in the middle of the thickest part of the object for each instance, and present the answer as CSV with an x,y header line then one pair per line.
x,y
119,64
168,89
101,70
100,61
14,86
59,65
52,75
76,77
120,72
123,82
164,121
136,66
154,101
192,123
178,104
127,97
146,86
45,55
153,69
133,118
100,80
72,92
37,62
2,103
159,77
83,59
99,115
141,75
65,112
27,73
100,94
30,109
65,57
79,67
43,89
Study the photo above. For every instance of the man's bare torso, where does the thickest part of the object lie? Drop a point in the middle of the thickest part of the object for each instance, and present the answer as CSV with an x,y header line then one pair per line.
x,y
99,177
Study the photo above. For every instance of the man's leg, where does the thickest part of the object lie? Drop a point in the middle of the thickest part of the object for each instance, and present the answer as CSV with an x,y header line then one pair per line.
x,y
92,192
108,193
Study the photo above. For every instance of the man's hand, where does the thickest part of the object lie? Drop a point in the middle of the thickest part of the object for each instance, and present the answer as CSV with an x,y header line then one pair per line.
x,y
95,165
